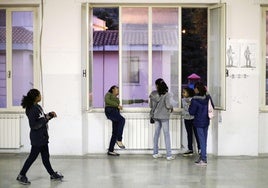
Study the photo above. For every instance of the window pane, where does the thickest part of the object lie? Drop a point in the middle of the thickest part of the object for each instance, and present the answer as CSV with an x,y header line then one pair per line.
x,y
22,55
165,48
3,95
135,56
215,62
194,46
105,52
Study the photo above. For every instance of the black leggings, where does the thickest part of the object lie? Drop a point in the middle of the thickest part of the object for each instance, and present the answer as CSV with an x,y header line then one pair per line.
x,y
35,150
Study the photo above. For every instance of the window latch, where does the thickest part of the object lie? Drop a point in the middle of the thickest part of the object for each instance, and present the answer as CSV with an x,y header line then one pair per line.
x,y
84,73
9,74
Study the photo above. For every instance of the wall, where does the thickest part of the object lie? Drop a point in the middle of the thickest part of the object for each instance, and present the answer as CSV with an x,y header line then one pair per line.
x,y
240,130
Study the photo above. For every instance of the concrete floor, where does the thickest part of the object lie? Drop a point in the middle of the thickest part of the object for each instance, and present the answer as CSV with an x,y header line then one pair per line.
x,y
138,171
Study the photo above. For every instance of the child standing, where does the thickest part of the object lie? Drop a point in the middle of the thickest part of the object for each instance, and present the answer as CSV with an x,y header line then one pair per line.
x,y
160,100
199,109
187,94
38,135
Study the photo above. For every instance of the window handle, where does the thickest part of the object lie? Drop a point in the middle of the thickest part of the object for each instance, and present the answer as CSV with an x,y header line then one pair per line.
x,y
84,73
9,74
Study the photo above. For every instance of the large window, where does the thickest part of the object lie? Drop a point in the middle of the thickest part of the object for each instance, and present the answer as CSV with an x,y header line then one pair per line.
x,y
133,46
17,54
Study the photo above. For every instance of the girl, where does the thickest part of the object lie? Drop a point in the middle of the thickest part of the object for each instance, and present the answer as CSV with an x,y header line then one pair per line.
x,y
199,109
112,112
187,94
160,101
38,135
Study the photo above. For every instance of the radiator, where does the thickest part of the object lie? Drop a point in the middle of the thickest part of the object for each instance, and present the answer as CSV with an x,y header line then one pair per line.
x,y
138,132
9,131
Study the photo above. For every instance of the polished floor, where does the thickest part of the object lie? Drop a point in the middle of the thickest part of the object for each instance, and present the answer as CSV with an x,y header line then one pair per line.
x,y
139,171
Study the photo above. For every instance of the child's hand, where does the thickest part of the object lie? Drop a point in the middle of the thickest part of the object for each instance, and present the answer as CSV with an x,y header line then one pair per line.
x,y
120,107
52,114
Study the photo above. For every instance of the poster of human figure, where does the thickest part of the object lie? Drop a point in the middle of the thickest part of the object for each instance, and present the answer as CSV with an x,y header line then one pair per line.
x,y
241,54
248,55
233,54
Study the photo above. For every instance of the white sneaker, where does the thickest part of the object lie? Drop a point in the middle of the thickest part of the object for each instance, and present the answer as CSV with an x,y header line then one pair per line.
x,y
158,155
170,158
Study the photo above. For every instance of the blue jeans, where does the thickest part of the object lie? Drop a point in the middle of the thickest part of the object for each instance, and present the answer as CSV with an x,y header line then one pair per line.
x,y
118,122
159,123
202,133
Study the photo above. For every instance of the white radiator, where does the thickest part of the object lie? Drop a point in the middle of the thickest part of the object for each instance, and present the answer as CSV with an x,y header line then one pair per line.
x,y
9,131
138,132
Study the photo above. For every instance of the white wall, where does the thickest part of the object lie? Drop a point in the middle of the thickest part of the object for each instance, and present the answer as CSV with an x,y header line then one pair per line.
x,y
239,130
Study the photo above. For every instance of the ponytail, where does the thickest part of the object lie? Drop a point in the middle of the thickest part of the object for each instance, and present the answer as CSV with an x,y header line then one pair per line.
x,y
28,100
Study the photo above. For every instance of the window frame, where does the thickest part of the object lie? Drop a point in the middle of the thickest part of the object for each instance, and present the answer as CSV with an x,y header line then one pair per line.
x,y
36,52
87,7
263,106
222,58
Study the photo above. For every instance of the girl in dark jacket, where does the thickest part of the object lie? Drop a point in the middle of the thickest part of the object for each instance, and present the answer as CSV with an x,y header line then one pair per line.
x,y
38,135
199,109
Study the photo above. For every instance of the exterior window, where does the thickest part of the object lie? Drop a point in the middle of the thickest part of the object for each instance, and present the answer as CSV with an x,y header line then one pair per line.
x,y
165,49
131,66
134,46
3,84
105,53
17,57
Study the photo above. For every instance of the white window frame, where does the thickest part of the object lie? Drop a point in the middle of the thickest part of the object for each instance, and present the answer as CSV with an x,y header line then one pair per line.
x,y
217,90
36,53
86,9
263,106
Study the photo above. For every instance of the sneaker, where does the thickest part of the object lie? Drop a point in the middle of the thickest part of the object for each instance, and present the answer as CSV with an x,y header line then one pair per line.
x,y
112,153
188,153
23,180
158,155
56,176
170,158
201,163
120,145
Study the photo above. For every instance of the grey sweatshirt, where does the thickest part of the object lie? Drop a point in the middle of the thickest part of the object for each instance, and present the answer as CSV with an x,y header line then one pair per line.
x,y
185,112
161,104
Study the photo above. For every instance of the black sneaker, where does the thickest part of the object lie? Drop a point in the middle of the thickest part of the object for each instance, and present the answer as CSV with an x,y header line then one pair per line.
x,y
23,180
112,153
201,163
56,176
188,153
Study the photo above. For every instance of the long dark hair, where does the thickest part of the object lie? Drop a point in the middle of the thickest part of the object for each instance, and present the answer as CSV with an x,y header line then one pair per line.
x,y
28,100
162,87
201,88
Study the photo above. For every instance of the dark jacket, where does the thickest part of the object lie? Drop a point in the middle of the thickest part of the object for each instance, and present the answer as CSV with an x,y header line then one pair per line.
x,y
199,109
38,124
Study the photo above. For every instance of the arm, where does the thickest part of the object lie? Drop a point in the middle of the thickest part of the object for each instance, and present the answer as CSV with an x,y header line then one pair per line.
x,y
37,118
168,103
